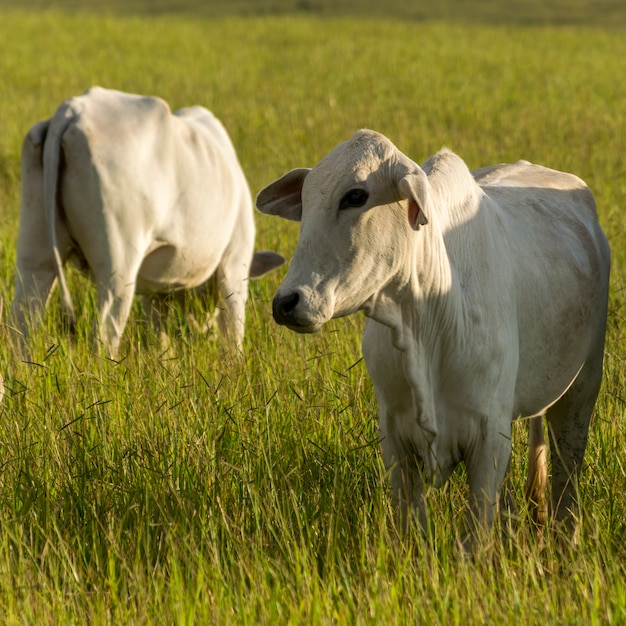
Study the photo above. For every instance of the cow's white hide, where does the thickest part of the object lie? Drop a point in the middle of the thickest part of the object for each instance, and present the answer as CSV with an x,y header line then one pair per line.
x,y
486,298
149,202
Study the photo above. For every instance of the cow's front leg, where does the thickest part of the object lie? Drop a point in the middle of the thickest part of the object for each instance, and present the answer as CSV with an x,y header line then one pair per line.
x,y
233,287
407,486
487,462
407,482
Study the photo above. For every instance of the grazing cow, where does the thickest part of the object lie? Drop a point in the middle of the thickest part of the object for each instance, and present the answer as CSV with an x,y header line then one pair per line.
x,y
148,201
486,298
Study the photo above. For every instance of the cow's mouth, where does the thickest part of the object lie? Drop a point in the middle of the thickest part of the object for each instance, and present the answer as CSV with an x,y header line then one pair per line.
x,y
303,329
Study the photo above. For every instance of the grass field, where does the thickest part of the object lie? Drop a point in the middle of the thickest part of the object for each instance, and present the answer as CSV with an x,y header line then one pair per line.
x,y
208,488
606,13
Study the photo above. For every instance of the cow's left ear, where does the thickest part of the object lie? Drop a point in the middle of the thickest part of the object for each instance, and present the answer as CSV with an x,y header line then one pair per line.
x,y
414,188
283,197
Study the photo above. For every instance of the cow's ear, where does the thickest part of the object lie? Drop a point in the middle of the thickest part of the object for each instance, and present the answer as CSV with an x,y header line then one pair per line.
x,y
265,261
283,197
414,188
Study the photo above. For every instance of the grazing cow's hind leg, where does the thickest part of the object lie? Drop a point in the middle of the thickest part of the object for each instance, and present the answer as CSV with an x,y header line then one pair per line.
x,y
31,293
35,267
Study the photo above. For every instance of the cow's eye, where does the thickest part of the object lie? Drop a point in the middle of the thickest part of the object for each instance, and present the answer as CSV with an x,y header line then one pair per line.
x,y
353,199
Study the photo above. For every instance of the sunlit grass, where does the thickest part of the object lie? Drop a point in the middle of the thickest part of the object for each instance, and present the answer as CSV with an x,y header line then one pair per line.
x,y
210,487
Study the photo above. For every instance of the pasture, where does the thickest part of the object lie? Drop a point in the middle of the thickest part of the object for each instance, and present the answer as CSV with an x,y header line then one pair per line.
x,y
204,487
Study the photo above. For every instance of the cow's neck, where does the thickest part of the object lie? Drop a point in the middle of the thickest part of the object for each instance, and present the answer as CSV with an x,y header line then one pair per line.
x,y
424,308
423,303
417,307
434,309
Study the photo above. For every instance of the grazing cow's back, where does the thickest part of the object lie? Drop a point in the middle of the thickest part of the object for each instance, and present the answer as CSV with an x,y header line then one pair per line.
x,y
150,202
486,297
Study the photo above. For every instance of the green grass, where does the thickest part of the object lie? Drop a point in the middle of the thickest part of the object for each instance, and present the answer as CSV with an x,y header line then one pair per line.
x,y
212,488
607,13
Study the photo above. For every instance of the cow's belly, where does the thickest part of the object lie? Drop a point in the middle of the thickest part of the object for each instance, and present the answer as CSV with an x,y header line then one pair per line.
x,y
167,268
552,356
540,385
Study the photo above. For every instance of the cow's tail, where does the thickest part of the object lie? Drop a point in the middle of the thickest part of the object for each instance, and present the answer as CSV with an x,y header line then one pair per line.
x,y
537,479
51,198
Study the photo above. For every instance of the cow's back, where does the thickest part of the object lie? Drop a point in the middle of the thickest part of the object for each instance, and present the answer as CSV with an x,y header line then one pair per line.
x,y
559,259
170,184
116,140
113,150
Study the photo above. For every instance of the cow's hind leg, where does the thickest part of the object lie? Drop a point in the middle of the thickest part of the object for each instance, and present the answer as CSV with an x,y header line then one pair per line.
x,y
35,268
537,479
31,292
568,422
34,281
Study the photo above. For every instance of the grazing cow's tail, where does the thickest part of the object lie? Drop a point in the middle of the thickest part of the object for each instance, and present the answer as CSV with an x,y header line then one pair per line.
x,y
537,479
51,170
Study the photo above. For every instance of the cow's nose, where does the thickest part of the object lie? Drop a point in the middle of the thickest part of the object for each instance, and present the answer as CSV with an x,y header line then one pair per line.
x,y
283,306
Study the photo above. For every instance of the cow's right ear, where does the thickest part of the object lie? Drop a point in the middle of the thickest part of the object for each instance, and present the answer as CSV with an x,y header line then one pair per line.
x,y
283,197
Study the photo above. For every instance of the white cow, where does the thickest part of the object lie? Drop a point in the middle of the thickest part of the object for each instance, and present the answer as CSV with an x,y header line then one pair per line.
x,y
149,202
486,298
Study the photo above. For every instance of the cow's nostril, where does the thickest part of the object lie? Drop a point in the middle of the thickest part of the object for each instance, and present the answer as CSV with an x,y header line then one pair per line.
x,y
283,306
290,302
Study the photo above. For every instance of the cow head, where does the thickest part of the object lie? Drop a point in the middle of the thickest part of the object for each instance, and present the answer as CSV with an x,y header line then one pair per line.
x,y
358,209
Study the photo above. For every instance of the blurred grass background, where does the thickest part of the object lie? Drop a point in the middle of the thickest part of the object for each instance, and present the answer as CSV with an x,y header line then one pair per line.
x,y
606,13
208,488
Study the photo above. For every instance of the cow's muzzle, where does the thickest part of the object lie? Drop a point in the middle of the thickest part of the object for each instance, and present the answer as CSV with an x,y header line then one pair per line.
x,y
283,307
